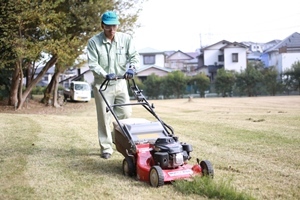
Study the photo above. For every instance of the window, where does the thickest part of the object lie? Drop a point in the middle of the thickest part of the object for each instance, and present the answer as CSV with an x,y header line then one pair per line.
x,y
149,59
221,58
235,57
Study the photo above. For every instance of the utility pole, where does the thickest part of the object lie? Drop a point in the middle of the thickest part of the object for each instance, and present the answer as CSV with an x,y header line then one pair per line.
x,y
200,41
208,37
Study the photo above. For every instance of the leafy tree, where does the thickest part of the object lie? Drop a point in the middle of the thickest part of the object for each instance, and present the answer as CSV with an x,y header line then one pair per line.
x,y
165,88
57,28
287,83
191,88
152,85
270,80
248,81
5,73
293,76
176,83
85,22
202,82
224,82
20,42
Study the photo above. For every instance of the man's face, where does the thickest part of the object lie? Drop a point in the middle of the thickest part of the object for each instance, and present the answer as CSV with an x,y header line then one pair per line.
x,y
109,30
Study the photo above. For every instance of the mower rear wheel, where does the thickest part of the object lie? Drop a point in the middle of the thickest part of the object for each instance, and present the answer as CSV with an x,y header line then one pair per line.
x,y
128,167
156,176
207,168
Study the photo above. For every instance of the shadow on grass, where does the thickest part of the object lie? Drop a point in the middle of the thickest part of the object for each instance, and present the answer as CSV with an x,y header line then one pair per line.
x,y
83,160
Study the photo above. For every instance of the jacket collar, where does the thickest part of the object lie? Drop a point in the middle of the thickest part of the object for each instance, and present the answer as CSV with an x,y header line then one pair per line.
x,y
105,40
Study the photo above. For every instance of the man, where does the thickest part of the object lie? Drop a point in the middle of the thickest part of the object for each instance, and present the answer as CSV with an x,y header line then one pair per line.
x,y
109,52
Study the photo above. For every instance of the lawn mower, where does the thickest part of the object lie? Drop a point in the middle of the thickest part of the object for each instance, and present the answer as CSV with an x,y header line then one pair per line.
x,y
152,153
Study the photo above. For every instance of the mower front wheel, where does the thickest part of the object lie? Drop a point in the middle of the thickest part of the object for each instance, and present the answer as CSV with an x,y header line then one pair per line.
x,y
156,176
207,168
128,167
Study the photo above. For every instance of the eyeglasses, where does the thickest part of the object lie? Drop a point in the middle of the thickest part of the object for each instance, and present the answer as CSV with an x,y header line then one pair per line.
x,y
110,27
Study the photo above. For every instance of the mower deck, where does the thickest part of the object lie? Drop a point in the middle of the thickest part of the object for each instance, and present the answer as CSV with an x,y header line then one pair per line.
x,y
145,162
139,161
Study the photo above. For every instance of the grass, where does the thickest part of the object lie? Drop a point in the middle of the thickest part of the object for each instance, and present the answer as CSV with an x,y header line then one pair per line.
x,y
253,144
205,186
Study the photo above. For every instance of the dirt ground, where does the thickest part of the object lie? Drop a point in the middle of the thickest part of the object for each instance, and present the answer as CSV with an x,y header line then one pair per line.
x,y
34,106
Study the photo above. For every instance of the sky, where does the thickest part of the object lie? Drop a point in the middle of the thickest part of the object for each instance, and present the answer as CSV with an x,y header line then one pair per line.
x,y
187,25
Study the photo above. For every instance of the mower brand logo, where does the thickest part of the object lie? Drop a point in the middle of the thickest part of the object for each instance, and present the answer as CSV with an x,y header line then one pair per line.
x,y
179,173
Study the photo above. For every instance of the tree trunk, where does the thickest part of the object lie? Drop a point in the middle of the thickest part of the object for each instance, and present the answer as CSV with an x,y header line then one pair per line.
x,y
51,92
33,83
55,89
20,92
29,76
13,96
48,94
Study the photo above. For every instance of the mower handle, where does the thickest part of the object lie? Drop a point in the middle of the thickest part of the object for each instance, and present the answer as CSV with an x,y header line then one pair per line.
x,y
107,80
139,97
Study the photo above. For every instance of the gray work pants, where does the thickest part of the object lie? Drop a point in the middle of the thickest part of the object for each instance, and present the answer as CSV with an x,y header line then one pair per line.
x,y
114,94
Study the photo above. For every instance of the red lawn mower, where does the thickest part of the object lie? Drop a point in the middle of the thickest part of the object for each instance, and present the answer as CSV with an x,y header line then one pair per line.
x,y
151,151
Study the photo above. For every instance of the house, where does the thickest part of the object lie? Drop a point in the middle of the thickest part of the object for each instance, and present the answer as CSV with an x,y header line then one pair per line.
x,y
47,76
145,71
185,62
150,57
254,52
284,54
264,57
254,46
82,73
230,55
270,44
163,62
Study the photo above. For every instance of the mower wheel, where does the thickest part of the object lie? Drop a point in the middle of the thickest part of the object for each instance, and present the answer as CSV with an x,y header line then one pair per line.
x,y
207,168
156,176
128,167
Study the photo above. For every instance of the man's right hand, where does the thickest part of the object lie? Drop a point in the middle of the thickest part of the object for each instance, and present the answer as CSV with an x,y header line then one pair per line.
x,y
111,76
129,74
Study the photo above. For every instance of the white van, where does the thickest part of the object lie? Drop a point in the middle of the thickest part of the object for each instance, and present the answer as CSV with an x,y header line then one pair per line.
x,y
78,91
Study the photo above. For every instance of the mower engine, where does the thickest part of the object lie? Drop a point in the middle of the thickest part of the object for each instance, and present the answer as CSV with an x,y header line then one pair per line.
x,y
168,153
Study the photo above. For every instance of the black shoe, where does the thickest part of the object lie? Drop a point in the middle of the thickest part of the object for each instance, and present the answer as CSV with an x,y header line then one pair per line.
x,y
105,155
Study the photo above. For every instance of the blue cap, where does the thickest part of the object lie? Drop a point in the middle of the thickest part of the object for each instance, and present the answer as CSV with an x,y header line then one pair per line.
x,y
110,18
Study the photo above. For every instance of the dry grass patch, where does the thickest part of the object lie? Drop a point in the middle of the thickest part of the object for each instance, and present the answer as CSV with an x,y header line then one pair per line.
x,y
254,142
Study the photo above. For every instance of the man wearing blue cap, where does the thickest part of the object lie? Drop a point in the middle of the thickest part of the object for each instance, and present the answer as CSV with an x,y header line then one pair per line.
x,y
109,52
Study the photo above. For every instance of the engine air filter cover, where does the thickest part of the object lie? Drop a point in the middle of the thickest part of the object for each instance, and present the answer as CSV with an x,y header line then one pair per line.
x,y
168,144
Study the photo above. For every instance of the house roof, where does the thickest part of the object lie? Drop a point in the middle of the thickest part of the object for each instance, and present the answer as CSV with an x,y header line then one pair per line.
x,y
148,50
50,70
192,61
193,54
234,44
152,66
168,53
254,56
148,70
292,41
273,41
222,41
213,68
74,78
188,57
226,45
